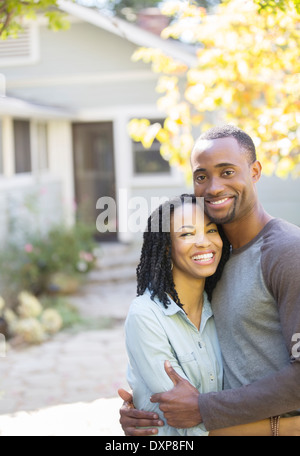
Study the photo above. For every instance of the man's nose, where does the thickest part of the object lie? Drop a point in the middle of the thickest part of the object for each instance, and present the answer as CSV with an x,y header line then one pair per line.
x,y
215,187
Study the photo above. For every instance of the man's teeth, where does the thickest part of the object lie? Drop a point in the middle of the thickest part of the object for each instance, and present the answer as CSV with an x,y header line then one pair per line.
x,y
205,256
219,201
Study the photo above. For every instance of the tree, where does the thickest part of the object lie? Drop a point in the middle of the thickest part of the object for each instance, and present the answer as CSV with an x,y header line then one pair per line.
x,y
248,73
13,11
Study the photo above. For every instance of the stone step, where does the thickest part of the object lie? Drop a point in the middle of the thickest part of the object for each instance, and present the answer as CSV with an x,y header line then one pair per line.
x,y
116,263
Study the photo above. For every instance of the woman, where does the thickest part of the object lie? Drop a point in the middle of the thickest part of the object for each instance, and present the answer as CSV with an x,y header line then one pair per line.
x,y
171,319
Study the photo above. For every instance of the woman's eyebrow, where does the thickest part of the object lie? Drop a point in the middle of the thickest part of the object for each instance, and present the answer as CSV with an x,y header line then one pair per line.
x,y
210,223
191,227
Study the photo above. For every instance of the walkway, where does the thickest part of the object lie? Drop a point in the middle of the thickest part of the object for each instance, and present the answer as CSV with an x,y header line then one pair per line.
x,y
68,386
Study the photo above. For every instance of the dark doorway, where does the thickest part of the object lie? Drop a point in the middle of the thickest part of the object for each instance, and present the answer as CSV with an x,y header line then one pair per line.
x,y
94,170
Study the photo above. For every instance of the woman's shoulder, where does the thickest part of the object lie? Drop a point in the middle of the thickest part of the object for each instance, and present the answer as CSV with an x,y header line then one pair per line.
x,y
145,305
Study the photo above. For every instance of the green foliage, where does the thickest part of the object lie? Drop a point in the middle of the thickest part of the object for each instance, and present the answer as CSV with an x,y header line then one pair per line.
x,y
31,267
12,12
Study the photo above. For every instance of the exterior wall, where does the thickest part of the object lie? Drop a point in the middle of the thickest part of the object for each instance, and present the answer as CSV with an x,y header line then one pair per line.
x,y
85,67
281,197
28,206
90,71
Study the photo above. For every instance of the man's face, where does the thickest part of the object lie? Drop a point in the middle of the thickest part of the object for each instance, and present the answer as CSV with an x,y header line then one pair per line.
x,y
223,176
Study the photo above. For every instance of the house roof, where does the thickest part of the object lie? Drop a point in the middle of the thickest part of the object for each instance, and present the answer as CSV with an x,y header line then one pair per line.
x,y
21,108
131,32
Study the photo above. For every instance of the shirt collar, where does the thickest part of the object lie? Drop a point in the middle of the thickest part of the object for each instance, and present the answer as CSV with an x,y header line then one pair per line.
x,y
173,308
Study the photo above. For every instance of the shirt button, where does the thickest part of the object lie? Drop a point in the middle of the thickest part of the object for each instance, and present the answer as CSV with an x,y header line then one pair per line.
x,y
212,378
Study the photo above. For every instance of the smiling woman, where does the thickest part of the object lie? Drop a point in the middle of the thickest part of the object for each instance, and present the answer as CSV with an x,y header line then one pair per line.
x,y
172,319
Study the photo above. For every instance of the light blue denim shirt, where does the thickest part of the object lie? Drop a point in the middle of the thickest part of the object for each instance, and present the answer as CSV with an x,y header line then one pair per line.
x,y
155,334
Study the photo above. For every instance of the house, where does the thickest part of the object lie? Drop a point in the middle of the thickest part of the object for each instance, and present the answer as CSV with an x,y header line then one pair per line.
x,y
63,124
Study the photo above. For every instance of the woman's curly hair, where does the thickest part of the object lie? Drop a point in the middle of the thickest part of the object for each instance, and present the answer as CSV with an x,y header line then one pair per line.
x,y
154,271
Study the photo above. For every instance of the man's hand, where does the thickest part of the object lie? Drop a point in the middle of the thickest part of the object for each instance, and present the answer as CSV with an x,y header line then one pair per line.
x,y
132,418
180,405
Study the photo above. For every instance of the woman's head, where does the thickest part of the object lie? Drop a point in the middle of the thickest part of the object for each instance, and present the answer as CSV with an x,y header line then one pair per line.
x,y
180,239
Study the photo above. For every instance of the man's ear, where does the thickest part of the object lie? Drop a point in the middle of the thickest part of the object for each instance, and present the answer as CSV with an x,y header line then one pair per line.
x,y
256,171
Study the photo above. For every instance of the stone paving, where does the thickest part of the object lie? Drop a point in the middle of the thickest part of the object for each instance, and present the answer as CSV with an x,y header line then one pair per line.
x,y
68,385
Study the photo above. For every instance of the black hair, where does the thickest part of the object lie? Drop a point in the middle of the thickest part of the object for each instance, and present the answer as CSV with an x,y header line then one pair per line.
x,y
154,271
226,131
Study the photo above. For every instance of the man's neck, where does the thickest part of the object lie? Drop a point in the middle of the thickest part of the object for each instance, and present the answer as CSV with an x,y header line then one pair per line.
x,y
242,231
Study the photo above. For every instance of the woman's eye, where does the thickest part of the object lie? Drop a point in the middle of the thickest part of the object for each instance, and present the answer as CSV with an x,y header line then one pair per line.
x,y
213,230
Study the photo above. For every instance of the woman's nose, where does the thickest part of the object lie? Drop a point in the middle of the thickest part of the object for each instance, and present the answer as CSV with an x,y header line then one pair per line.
x,y
202,240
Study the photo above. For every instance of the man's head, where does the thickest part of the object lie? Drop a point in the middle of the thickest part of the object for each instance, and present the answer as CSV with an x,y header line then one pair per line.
x,y
230,131
225,172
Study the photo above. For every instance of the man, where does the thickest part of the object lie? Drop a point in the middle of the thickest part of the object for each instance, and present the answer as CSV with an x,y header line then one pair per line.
x,y
256,303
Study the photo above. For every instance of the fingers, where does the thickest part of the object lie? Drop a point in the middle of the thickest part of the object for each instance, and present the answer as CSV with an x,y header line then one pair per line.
x,y
140,432
127,397
172,373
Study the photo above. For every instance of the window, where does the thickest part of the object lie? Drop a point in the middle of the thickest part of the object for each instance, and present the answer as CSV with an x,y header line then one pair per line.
x,y
42,146
22,146
149,161
21,50
1,149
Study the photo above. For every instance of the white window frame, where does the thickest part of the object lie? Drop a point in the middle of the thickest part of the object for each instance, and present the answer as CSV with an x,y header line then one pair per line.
x,y
34,49
170,179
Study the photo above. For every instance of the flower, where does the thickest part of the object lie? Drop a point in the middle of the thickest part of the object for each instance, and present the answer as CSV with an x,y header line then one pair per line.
x,y
51,321
29,305
28,248
2,304
31,330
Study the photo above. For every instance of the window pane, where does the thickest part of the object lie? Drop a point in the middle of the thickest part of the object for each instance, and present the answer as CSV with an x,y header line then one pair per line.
x,y
149,161
1,149
22,146
42,145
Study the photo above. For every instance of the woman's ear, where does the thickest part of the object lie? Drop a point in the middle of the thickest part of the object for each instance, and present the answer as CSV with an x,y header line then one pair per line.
x,y
256,171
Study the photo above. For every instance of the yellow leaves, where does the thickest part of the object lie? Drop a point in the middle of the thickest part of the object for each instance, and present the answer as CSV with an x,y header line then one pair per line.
x,y
161,63
248,69
284,167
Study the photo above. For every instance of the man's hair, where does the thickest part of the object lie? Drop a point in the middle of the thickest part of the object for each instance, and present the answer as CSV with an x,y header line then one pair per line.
x,y
154,271
226,131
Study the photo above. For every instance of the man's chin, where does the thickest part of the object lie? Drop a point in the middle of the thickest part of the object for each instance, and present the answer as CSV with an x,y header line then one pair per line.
x,y
221,220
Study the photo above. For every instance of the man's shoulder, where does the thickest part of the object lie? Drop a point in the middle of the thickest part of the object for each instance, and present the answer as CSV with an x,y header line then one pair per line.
x,y
281,247
281,232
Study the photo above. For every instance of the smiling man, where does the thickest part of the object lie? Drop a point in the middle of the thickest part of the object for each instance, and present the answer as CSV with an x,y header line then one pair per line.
x,y
256,303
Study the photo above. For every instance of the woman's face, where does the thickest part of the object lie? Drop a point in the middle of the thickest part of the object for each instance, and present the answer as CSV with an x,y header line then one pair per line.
x,y
196,243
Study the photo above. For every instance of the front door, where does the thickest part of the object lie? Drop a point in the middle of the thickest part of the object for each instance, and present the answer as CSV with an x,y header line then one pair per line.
x,y
94,169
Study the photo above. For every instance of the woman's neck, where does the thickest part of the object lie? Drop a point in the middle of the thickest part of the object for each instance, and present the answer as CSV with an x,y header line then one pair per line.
x,y
190,292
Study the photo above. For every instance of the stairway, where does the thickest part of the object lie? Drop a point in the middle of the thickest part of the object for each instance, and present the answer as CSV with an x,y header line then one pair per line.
x,y
116,263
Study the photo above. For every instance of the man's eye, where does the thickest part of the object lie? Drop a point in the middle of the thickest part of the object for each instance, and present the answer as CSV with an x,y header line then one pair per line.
x,y
186,234
200,178
228,173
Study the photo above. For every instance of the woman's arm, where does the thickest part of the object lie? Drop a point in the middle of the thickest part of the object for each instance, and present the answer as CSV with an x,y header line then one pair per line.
x,y
287,427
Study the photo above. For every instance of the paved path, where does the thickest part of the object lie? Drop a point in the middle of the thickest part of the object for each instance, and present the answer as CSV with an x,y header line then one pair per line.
x,y
68,386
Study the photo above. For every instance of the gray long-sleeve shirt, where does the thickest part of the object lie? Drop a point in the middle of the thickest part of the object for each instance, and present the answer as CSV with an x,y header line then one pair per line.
x,y
257,313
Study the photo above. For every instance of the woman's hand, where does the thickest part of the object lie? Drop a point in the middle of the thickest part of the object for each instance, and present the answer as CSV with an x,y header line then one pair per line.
x,y
130,418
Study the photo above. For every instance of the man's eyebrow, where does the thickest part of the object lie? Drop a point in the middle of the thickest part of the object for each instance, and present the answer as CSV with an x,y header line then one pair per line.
x,y
219,165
